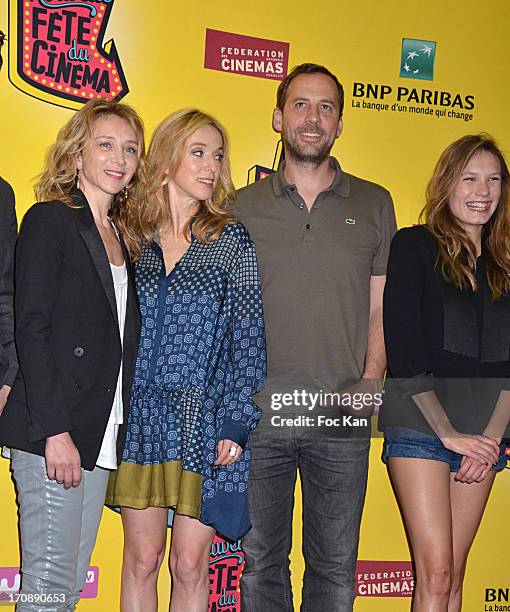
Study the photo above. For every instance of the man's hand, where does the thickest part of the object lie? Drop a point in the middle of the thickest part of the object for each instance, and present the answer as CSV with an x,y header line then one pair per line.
x,y
358,399
4,393
63,462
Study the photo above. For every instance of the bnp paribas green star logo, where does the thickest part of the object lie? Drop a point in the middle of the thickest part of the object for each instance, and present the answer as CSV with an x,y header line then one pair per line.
x,y
417,61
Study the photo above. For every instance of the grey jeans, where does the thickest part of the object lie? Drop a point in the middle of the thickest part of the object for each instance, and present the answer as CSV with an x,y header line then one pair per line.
x,y
333,475
58,530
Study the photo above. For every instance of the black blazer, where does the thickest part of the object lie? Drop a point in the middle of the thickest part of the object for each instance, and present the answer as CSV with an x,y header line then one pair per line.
x,y
439,337
8,233
67,334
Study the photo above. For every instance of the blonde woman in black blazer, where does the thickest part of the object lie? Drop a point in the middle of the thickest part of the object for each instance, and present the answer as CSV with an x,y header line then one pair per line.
x,y
77,332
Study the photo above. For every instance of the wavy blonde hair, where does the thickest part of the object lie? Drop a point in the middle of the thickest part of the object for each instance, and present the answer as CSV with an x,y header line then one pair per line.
x,y
58,178
164,157
456,252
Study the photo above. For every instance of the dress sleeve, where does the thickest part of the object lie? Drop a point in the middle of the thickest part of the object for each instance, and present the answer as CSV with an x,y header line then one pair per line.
x,y
40,260
246,367
404,332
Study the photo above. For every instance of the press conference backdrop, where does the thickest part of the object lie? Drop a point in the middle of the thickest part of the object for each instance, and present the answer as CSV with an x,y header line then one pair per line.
x,y
416,76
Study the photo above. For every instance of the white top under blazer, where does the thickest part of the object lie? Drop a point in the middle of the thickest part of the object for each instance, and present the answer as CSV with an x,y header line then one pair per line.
x,y
108,453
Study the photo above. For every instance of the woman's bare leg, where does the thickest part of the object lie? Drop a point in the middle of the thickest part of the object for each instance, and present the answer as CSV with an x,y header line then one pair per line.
x,y
189,564
422,487
468,503
144,549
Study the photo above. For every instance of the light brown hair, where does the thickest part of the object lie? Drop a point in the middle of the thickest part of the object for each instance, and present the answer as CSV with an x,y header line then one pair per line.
x,y
164,156
456,252
58,178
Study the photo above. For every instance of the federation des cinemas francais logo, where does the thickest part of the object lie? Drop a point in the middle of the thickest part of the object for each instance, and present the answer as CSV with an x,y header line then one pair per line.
x,y
384,579
247,55
57,52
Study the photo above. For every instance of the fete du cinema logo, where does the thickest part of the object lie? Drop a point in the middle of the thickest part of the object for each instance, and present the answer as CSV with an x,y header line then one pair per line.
x,y
259,173
417,59
10,582
57,53
226,563
239,54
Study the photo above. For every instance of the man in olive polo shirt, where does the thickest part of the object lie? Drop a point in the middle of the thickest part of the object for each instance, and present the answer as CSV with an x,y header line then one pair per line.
x,y
322,238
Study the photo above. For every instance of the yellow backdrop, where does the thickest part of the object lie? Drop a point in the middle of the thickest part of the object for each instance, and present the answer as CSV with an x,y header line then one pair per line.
x,y
161,47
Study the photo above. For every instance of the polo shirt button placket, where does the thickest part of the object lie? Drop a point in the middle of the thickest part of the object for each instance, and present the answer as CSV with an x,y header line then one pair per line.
x,y
308,237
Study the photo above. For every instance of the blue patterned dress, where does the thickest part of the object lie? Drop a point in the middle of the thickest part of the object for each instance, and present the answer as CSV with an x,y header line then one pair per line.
x,y
201,358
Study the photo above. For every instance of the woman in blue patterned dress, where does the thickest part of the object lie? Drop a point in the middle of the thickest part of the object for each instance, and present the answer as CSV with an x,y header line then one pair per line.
x,y
201,358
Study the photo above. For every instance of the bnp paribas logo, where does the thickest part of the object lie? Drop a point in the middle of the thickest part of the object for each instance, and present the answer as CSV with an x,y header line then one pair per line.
x,y
417,60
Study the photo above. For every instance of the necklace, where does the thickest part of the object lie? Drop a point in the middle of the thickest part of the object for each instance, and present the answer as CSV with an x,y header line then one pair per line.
x,y
114,227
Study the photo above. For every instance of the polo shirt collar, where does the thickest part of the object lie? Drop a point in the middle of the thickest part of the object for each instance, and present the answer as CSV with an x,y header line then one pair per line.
x,y
340,184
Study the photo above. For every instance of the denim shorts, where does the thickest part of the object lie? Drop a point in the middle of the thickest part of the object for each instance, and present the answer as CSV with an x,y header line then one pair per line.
x,y
403,442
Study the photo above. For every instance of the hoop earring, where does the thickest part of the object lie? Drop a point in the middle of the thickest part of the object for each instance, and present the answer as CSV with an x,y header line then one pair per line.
x,y
77,179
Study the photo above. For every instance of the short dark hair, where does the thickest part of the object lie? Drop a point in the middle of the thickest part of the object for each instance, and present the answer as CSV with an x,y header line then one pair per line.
x,y
281,94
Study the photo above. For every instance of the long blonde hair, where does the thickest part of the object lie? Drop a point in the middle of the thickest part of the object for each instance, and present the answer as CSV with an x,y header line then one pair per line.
x,y
456,252
165,154
58,178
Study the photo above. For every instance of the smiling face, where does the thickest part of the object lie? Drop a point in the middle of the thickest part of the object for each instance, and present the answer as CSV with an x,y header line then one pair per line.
x,y
310,121
109,159
477,192
197,175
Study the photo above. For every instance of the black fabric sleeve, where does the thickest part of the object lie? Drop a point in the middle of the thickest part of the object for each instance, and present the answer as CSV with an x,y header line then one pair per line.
x,y
40,259
8,234
404,331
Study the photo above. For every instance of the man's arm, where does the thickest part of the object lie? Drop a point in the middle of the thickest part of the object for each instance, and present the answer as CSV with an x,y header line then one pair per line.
x,y
375,360
371,382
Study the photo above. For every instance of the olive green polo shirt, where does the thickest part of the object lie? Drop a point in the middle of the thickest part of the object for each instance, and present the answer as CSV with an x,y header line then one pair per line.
x,y
315,268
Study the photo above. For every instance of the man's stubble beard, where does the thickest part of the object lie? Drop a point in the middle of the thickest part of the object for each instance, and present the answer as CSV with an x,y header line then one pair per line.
x,y
313,155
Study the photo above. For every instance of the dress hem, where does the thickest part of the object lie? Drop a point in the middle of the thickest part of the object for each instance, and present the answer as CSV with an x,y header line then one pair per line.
x,y
138,504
